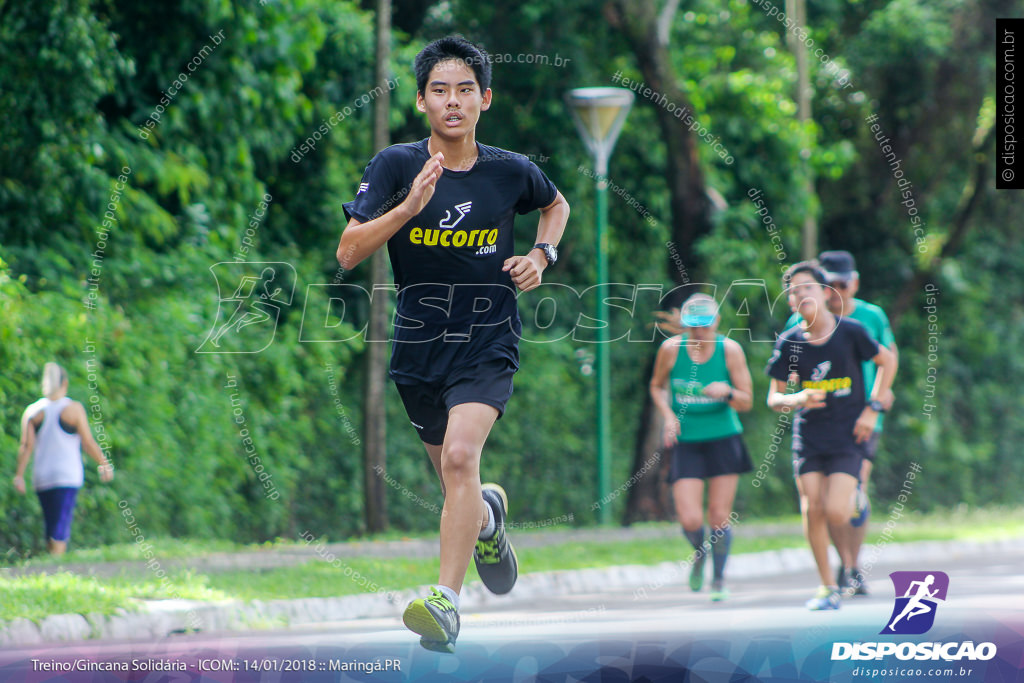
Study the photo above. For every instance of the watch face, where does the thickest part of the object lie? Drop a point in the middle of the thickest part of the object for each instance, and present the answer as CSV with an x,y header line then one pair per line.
x,y
550,253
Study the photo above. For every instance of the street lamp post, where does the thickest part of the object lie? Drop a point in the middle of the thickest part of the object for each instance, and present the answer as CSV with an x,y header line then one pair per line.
x,y
599,114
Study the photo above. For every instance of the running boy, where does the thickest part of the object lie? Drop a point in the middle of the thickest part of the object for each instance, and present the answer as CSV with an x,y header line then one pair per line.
x,y
834,422
457,327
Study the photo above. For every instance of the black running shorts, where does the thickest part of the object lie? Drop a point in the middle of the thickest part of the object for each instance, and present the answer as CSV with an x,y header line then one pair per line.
x,y
847,463
705,459
427,403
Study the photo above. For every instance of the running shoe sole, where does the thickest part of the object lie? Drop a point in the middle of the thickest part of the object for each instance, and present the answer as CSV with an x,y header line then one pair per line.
x,y
438,646
418,619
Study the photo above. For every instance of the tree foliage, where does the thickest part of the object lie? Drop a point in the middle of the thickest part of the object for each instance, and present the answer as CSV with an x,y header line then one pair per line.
x,y
81,79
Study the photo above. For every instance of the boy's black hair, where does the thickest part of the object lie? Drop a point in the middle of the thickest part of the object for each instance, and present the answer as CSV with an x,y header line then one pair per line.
x,y
456,48
812,267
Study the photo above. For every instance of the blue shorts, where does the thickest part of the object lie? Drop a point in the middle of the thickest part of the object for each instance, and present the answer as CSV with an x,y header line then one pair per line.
x,y
58,509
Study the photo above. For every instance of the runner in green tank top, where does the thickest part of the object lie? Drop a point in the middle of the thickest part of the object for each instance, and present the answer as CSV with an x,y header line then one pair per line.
x,y
709,418
700,381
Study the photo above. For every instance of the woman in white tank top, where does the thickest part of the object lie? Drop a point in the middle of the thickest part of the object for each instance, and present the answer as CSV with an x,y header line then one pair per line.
x,y
55,429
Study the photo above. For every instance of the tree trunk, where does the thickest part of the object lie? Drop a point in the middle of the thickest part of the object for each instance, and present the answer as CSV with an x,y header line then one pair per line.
x,y
797,9
960,224
647,29
649,498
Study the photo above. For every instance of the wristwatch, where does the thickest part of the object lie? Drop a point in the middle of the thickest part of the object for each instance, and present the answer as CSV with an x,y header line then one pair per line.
x,y
876,405
550,253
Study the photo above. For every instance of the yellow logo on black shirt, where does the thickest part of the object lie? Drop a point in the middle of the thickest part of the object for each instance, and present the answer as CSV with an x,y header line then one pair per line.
x,y
840,386
453,238
837,385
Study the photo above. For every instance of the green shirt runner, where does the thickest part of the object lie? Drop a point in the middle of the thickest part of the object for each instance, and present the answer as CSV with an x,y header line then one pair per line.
x,y
701,418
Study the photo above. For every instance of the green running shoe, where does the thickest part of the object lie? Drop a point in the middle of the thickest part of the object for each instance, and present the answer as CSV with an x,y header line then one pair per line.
x,y
697,571
435,619
718,591
825,599
495,558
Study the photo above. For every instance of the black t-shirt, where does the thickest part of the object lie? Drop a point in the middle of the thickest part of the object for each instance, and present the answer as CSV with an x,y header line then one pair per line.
x,y
456,307
834,367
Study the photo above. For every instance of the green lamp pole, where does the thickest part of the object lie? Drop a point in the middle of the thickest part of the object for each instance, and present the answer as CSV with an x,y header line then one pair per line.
x,y
599,114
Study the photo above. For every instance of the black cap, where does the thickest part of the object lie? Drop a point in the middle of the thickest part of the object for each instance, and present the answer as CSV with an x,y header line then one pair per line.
x,y
838,265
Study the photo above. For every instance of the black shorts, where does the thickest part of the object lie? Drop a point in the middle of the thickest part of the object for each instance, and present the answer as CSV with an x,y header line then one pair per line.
x,y
427,403
705,459
847,462
871,447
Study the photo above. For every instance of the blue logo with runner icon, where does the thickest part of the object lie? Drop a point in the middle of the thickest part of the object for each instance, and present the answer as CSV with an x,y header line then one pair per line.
x,y
917,598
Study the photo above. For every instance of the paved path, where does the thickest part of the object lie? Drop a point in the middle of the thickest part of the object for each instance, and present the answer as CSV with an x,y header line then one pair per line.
x,y
612,632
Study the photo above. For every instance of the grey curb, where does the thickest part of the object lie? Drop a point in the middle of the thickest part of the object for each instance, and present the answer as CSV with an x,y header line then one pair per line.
x,y
167,616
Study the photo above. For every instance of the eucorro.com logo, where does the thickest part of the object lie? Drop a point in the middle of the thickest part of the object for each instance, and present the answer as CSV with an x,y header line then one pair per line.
x,y
917,598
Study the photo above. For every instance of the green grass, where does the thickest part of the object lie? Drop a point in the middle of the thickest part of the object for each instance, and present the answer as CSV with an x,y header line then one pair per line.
x,y
967,524
38,596
318,579
178,548
166,548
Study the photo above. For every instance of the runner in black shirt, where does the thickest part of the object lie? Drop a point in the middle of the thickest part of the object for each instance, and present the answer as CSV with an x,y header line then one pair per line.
x,y
456,301
834,422
445,207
